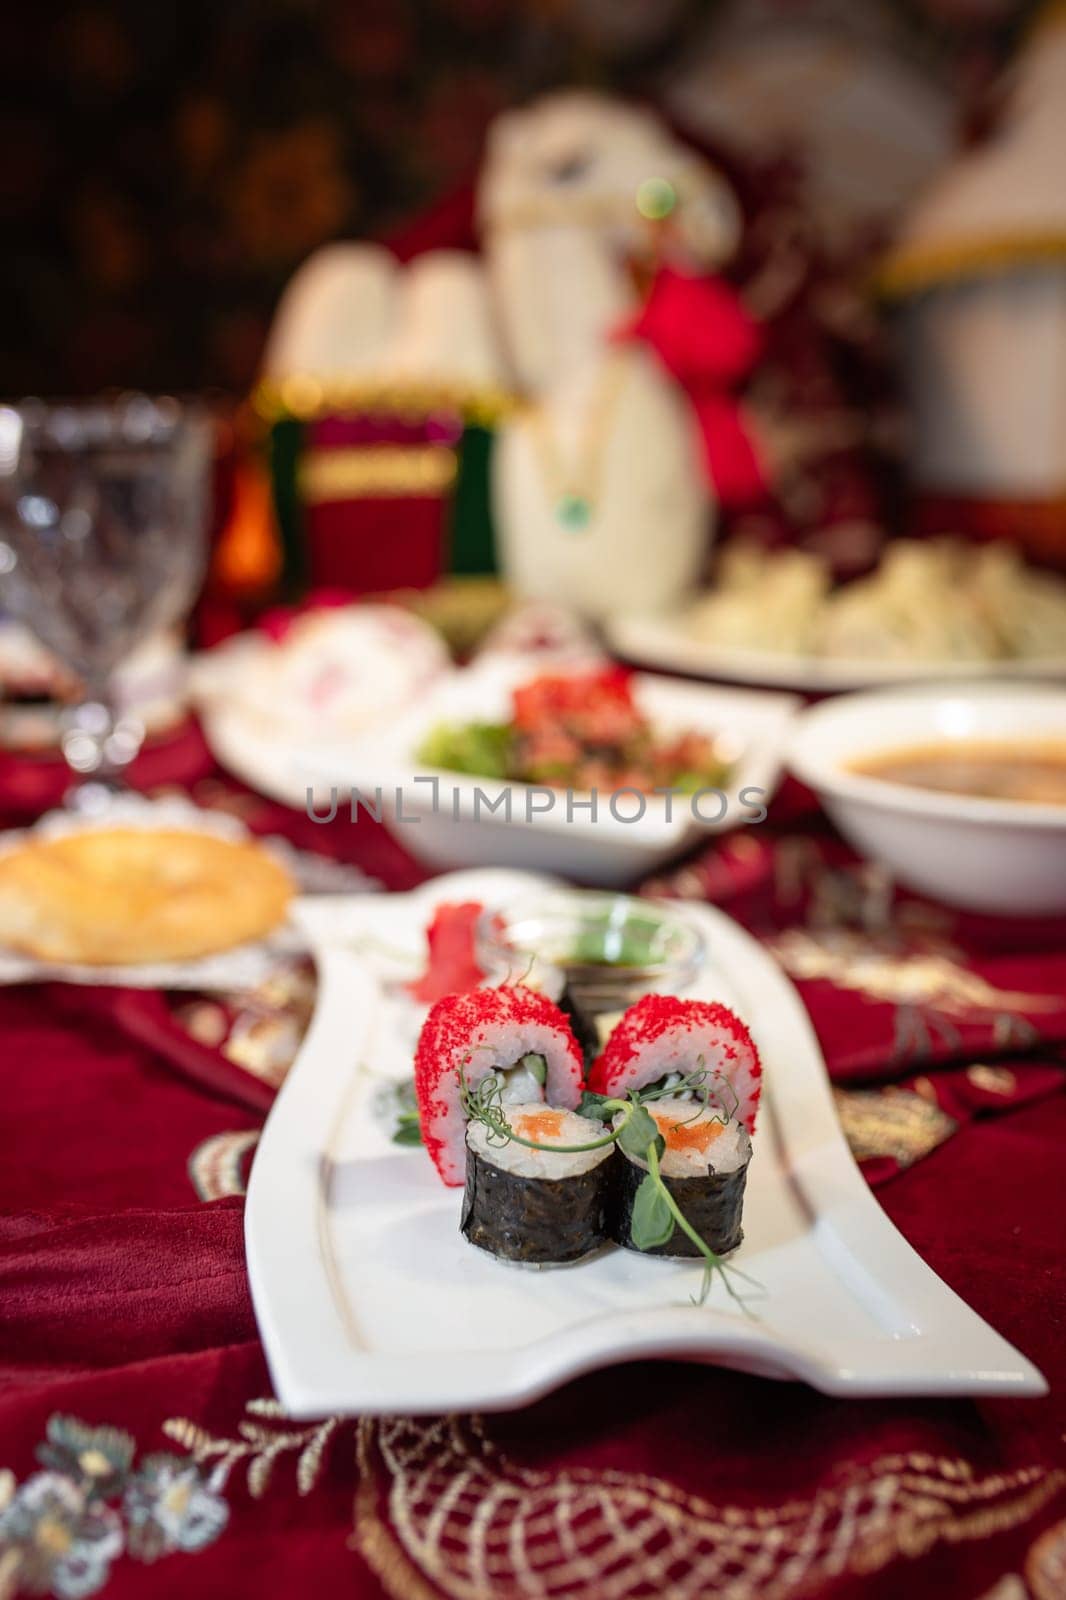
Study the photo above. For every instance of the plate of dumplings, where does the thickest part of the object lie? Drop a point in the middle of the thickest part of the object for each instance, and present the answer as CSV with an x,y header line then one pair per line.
x,y
933,608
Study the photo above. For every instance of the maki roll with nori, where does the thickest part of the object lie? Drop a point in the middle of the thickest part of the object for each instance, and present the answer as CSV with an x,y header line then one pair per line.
x,y
696,1069
662,1040
704,1167
542,1206
517,1038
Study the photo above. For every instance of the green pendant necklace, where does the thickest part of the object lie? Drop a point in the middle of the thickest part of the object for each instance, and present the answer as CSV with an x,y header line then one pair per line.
x,y
574,512
574,492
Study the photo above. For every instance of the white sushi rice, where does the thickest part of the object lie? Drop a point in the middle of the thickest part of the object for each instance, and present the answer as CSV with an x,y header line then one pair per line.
x,y
726,1152
519,1159
729,1066
501,1047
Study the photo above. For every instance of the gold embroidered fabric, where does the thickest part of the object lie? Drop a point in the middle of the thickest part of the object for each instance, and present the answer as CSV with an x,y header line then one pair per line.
x,y
992,1080
217,1165
440,1512
264,1437
853,960
1045,1565
901,1123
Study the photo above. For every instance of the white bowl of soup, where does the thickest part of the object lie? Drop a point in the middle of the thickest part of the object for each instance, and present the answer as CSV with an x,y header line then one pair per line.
x,y
961,792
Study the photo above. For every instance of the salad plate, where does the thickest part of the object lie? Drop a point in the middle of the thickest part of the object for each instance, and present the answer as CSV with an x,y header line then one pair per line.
x,y
369,1300
452,818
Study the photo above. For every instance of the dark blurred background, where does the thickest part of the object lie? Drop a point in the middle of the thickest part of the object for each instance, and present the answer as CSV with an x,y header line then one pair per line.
x,y
166,166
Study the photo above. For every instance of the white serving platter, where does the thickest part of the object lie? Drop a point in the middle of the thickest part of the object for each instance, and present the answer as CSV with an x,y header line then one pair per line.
x,y
446,820
369,1300
666,644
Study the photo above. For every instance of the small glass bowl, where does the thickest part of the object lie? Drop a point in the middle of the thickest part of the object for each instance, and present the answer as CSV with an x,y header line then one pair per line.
x,y
611,948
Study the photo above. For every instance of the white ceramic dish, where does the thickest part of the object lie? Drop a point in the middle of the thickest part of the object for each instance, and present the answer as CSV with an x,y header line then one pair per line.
x,y
453,826
251,751
997,856
666,644
369,1300
338,672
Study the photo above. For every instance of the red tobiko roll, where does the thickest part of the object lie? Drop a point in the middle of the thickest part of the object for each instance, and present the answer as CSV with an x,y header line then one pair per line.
x,y
661,1036
513,1031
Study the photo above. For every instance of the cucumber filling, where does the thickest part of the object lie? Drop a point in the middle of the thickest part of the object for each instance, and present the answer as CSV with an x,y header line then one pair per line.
x,y
524,1081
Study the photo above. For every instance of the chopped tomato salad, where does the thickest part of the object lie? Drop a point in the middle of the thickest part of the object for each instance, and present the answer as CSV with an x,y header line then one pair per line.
x,y
579,731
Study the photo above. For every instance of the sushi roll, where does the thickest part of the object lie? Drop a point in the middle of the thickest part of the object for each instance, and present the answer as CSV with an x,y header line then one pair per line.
x,y
704,1167
538,1206
512,1033
662,1040
697,1063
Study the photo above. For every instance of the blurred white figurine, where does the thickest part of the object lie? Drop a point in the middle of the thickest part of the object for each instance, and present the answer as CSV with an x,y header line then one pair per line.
x,y
443,329
599,497
353,318
336,315
599,493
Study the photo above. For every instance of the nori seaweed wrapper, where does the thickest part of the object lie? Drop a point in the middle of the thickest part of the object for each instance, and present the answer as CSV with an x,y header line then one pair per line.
x,y
583,1023
711,1205
549,1220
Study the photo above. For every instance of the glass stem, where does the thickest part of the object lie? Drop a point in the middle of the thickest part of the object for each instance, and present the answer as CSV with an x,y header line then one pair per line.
x,y
98,743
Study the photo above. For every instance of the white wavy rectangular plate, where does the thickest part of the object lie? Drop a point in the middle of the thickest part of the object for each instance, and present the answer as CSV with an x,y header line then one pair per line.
x,y
369,1300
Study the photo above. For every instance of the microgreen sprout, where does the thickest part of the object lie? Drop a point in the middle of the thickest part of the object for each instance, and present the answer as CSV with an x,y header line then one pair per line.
x,y
400,1103
508,981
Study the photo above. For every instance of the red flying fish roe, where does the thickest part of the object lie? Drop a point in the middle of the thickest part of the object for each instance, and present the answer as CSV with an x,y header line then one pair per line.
x,y
478,1033
661,1035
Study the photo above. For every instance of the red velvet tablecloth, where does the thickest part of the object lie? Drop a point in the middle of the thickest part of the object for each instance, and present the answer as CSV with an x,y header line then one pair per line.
x,y
141,1452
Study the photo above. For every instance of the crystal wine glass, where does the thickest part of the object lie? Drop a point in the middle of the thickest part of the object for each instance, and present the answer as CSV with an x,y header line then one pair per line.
x,y
102,515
